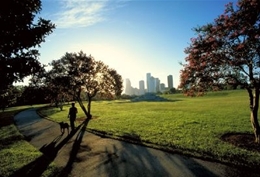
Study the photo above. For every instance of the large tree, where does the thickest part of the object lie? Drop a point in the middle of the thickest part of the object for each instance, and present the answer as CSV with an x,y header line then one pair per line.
x,y
77,73
20,34
227,51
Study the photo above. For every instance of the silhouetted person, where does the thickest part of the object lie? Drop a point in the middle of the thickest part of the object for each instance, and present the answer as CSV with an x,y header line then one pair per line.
x,y
72,115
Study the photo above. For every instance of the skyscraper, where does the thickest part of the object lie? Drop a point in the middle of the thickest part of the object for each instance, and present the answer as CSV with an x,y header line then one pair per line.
x,y
157,85
152,85
128,87
170,81
141,87
148,76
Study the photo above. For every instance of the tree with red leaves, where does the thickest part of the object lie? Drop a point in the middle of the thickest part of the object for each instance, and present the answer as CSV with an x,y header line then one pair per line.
x,y
227,51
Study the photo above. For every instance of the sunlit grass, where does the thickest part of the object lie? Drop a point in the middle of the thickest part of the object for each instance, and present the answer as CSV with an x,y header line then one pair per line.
x,y
191,125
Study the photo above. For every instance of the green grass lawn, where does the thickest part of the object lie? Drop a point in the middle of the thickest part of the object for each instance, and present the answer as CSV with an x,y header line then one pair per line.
x,y
189,125
15,152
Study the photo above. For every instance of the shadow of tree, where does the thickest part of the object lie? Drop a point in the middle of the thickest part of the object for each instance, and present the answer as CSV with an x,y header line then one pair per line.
x,y
122,159
37,167
75,149
132,137
129,159
242,140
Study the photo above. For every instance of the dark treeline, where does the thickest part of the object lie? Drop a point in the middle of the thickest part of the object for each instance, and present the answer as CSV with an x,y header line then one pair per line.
x,y
25,95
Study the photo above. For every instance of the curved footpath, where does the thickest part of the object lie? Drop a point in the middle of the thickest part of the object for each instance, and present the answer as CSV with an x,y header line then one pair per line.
x,y
82,154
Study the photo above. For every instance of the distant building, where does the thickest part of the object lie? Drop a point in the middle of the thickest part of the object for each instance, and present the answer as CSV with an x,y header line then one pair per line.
x,y
128,87
141,88
170,81
136,91
152,85
162,87
157,85
148,78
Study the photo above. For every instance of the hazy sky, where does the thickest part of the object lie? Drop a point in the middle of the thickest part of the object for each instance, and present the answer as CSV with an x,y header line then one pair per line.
x,y
133,37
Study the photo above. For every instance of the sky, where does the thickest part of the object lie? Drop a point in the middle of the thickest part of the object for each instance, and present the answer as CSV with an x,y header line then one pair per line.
x,y
134,37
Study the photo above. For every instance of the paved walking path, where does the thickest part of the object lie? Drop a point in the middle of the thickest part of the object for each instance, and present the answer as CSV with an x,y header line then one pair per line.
x,y
83,154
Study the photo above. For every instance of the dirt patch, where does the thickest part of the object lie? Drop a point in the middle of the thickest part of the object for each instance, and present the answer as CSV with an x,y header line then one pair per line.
x,y
82,119
242,140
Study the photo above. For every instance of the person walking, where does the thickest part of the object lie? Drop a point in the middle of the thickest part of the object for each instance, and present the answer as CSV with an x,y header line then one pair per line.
x,y
72,115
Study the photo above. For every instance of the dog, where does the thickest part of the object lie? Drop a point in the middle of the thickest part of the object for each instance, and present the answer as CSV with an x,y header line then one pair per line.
x,y
64,126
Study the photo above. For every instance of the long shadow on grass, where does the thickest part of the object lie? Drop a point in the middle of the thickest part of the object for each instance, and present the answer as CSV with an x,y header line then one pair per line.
x,y
136,160
128,159
131,159
198,169
39,165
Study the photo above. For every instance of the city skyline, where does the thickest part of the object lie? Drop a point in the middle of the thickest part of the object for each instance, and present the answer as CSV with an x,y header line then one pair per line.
x,y
139,36
150,85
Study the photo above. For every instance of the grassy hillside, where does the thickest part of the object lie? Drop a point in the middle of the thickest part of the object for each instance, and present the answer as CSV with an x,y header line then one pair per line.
x,y
190,125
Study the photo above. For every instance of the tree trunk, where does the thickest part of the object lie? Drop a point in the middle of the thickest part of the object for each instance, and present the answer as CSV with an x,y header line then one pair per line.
x,y
81,103
255,125
254,104
89,107
87,112
83,107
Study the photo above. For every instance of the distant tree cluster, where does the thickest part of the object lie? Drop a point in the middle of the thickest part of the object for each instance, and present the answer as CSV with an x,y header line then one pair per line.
x,y
24,95
171,91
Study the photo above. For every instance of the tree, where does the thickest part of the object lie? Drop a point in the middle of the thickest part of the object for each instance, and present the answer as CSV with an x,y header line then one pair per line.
x,y
77,73
58,92
45,81
11,96
172,90
20,34
227,50
33,95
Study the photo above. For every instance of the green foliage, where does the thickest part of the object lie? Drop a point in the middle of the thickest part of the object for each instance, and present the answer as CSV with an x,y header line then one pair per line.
x,y
77,73
171,91
20,34
10,97
32,95
191,125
